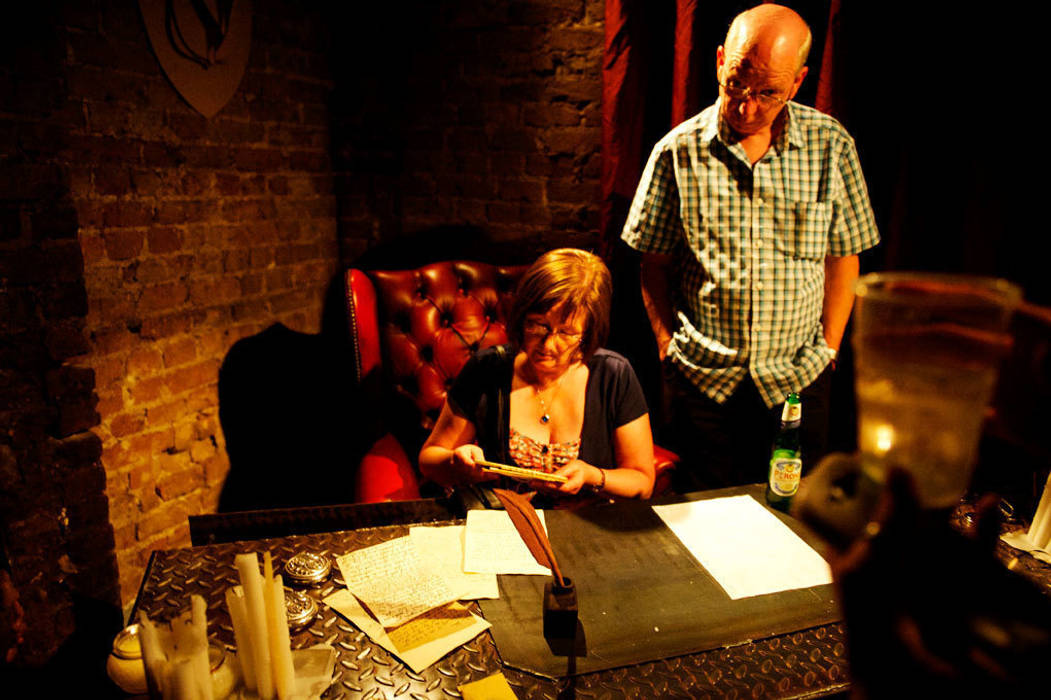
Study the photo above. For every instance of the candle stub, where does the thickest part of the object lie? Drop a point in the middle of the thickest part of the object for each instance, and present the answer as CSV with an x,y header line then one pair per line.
x,y
124,665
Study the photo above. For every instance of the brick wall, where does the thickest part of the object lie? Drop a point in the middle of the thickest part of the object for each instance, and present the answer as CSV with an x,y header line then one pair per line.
x,y
140,241
486,115
195,233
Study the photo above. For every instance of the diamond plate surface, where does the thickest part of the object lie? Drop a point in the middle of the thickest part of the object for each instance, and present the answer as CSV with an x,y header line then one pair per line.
x,y
802,664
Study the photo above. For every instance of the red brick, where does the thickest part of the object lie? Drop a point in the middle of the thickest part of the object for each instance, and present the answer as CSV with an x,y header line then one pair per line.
x,y
116,455
212,343
204,397
258,159
182,212
278,279
227,184
161,240
173,462
184,434
165,326
124,537
179,484
159,519
165,414
110,403
108,370
278,185
571,191
127,214
126,423
228,289
294,300
162,296
146,390
93,246
216,468
180,351
123,244
202,450
144,360
193,376
236,260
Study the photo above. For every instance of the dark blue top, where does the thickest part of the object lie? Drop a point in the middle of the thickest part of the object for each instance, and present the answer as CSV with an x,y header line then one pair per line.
x,y
613,398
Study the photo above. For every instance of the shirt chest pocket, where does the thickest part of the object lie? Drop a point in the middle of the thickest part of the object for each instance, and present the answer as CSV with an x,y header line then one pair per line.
x,y
801,228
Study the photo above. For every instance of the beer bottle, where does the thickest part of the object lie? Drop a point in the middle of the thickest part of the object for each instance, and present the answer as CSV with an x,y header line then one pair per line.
x,y
785,464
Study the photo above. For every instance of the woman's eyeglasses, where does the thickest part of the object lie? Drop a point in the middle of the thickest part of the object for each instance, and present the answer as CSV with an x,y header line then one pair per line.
x,y
541,331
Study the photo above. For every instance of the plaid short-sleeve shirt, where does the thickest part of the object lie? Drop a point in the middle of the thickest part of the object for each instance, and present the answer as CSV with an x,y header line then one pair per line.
x,y
750,244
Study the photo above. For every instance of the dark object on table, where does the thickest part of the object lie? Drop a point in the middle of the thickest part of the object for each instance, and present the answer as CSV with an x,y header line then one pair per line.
x,y
560,609
925,599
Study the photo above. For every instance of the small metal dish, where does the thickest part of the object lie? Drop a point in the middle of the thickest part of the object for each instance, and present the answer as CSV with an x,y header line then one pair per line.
x,y
300,608
307,569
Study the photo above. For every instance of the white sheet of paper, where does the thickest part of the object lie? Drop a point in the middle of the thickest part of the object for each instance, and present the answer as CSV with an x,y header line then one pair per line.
x,y
441,550
493,546
417,658
390,579
744,546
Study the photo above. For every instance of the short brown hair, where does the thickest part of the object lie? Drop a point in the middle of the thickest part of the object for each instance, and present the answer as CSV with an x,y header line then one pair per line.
x,y
575,279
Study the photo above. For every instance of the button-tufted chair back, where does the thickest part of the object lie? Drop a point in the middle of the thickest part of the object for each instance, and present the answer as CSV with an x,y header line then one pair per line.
x,y
428,323
418,328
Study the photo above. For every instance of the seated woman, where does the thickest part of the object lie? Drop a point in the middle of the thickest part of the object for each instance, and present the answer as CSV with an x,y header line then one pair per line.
x,y
553,399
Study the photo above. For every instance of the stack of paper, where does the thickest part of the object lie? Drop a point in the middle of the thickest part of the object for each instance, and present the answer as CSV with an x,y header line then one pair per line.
x,y
402,603
402,593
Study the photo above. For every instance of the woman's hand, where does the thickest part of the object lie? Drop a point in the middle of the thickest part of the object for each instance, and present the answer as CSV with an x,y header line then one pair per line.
x,y
579,474
464,460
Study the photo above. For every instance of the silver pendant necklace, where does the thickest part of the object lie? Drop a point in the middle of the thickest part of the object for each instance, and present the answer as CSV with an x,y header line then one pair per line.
x,y
545,414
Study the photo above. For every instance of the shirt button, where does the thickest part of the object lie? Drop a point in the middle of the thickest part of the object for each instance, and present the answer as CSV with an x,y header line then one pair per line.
x,y
758,285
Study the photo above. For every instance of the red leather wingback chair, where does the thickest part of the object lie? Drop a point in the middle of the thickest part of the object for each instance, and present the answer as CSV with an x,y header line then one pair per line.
x,y
417,328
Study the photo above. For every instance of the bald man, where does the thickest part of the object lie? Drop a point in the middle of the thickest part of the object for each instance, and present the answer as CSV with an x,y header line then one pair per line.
x,y
750,216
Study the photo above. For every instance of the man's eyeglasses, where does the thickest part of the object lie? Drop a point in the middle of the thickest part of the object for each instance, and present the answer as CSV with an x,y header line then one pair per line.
x,y
541,331
766,98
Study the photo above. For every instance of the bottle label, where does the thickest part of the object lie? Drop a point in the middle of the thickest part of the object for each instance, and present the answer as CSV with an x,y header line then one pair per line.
x,y
785,470
792,412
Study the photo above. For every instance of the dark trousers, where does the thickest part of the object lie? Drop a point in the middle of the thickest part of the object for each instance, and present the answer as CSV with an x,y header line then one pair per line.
x,y
729,444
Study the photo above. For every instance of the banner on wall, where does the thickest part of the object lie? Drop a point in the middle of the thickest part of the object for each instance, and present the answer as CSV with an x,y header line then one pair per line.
x,y
202,45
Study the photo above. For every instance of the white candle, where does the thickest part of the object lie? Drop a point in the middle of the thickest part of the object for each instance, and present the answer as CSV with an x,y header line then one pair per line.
x,y
199,628
154,657
281,644
182,682
238,616
252,583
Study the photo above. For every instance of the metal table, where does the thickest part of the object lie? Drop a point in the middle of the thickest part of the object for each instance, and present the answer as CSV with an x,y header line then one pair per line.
x,y
807,663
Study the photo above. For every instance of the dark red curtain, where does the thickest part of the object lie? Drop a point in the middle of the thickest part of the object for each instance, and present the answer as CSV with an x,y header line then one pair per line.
x,y
945,108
